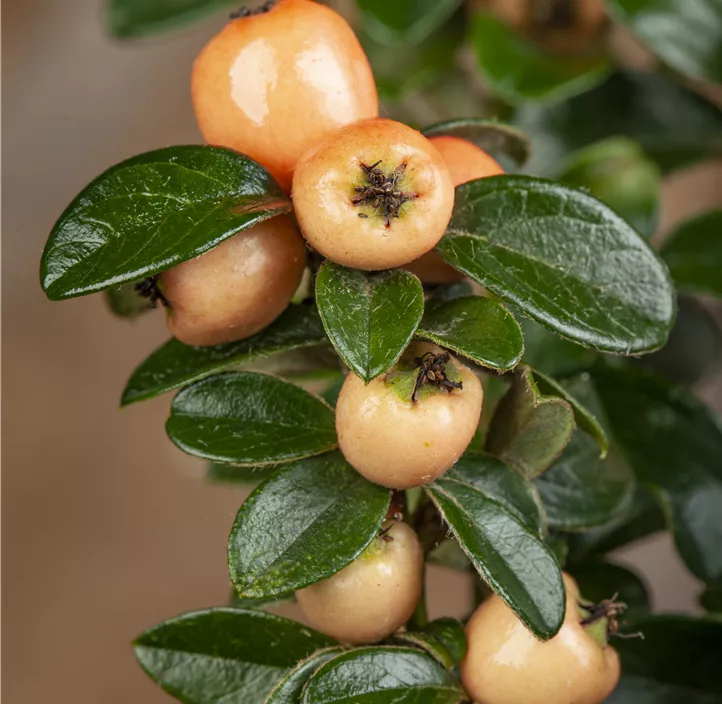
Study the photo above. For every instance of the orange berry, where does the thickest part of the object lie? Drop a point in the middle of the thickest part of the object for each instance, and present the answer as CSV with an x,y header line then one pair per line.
x,y
274,84
467,162
506,664
374,195
238,288
399,441
373,596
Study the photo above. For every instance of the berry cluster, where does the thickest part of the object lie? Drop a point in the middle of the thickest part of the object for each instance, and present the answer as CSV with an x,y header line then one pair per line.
x,y
371,194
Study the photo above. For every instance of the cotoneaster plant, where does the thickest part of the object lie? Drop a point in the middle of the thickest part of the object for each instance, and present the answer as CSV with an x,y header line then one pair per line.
x,y
455,366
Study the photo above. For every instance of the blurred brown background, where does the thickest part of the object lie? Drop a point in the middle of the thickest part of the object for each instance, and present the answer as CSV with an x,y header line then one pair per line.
x,y
107,528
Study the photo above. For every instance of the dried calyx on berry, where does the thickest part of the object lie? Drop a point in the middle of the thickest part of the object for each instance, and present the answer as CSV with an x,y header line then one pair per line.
x,y
432,370
601,621
149,288
416,376
248,12
381,192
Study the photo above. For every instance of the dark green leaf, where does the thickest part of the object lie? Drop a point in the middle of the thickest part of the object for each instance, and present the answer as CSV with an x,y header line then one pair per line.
x,y
154,211
583,416
550,353
135,18
673,125
492,136
370,319
224,654
694,348
427,643
451,634
529,430
175,364
477,328
250,419
674,444
289,688
693,253
563,258
505,551
517,70
494,389
676,662
686,34
599,580
642,518
405,21
618,172
711,599
126,302
383,675
302,525
241,475
502,484
581,490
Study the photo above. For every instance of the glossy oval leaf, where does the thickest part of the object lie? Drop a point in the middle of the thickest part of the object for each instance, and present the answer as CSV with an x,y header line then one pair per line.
x,y
693,253
508,555
494,137
599,580
477,328
502,484
248,418
674,444
369,318
517,70
383,675
581,490
583,416
174,364
529,430
303,524
405,21
154,211
685,34
289,688
136,18
621,175
677,661
224,654
674,125
563,258
451,634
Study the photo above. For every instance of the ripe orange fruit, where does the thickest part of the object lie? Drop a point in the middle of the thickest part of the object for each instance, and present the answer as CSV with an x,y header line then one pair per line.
x,y
273,84
467,162
373,596
401,440
375,195
238,288
506,664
